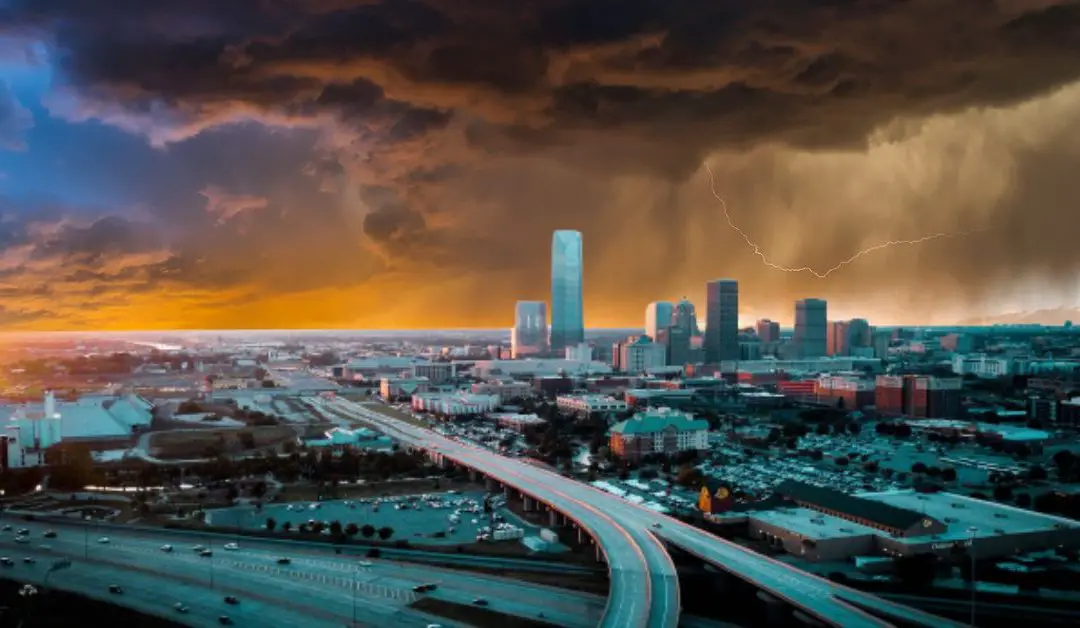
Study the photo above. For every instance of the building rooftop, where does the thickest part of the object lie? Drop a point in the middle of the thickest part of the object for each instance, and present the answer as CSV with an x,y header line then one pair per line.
x,y
650,422
883,513
812,524
961,513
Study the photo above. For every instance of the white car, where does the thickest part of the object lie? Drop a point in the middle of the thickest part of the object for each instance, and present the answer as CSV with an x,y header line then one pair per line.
x,y
232,547
166,548
103,540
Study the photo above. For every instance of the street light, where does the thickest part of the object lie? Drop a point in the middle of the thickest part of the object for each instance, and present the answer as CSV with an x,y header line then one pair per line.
x,y
972,530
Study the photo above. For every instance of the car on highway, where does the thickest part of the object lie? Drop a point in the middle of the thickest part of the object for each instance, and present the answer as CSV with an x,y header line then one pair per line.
x,y
424,588
364,563
7,527
284,561
49,534
657,525
480,602
103,540
7,562
180,608
23,531
198,548
115,588
22,539
232,547
225,620
166,548
206,553
28,560
229,599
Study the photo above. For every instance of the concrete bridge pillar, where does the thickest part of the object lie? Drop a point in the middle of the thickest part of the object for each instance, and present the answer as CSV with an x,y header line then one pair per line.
x,y
580,536
600,558
490,485
553,519
506,492
528,503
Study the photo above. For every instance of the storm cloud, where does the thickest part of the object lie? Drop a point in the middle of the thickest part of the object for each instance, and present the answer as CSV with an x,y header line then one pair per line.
x,y
453,135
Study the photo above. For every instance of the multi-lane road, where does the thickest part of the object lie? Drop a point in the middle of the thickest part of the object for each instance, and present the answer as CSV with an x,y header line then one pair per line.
x,y
315,588
644,585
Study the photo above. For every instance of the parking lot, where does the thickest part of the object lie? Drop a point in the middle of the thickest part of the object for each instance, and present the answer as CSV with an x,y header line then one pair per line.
x,y
443,518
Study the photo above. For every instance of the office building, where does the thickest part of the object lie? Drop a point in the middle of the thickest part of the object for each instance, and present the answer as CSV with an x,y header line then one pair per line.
x,y
859,335
660,431
836,339
685,318
530,333
584,405
658,317
567,314
722,321
811,328
641,354
581,352
918,396
767,330
435,372
676,342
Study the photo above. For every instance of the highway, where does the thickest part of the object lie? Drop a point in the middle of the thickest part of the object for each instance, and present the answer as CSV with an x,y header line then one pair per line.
x,y
315,588
629,535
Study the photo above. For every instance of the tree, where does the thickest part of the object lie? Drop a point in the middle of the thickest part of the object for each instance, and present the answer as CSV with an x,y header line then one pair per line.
x,y
335,528
385,532
933,471
1003,492
271,524
870,467
368,530
1037,472
1023,500
948,474
352,529
854,428
918,467
842,461
287,526
690,476
822,429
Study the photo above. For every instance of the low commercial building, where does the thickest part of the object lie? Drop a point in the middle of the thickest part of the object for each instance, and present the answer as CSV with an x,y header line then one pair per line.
x,y
584,405
435,372
823,524
394,388
670,397
661,431
516,422
454,404
850,391
506,389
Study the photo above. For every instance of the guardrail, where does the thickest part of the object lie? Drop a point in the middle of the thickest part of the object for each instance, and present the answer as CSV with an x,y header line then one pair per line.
x,y
415,555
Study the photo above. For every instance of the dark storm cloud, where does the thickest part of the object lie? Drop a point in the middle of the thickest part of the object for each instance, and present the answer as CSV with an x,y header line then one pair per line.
x,y
429,106
104,238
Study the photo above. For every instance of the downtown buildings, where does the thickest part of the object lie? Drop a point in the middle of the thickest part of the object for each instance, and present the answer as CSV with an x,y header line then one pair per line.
x,y
530,333
722,321
811,328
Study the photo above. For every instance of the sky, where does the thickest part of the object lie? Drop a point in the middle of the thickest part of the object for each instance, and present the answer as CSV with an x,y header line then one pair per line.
x,y
367,164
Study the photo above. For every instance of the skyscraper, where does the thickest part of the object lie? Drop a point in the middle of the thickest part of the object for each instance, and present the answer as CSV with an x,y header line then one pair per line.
x,y
811,328
836,343
722,321
858,332
658,316
529,336
567,316
768,331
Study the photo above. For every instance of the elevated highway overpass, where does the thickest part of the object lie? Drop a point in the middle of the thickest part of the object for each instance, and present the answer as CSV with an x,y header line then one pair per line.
x,y
644,584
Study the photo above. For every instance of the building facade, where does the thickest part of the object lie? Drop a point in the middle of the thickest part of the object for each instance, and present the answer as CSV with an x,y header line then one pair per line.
x,y
918,396
641,354
435,372
722,321
658,317
584,405
811,328
661,431
567,309
530,333
767,330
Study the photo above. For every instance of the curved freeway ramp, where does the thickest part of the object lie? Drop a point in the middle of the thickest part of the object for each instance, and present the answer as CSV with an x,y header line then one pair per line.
x,y
644,584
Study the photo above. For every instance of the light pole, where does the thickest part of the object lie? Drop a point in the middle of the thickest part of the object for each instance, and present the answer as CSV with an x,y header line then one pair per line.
x,y
973,530
354,583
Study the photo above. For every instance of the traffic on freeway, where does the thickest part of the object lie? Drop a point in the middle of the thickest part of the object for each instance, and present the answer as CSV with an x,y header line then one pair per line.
x,y
241,581
627,530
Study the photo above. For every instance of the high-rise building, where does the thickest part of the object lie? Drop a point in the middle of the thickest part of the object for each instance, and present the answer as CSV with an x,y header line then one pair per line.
x,y
836,339
811,328
567,316
685,317
722,321
676,340
658,316
858,334
768,331
642,354
529,336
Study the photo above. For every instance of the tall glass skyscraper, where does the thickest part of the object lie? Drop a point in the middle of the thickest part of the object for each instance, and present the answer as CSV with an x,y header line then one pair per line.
x,y
811,328
529,336
567,316
722,321
658,317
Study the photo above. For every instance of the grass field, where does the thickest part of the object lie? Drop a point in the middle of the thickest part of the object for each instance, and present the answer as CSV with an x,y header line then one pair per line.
x,y
394,413
188,444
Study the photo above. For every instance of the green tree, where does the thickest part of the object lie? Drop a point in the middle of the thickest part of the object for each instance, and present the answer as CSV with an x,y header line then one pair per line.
x,y
335,528
386,532
352,529
368,530
271,524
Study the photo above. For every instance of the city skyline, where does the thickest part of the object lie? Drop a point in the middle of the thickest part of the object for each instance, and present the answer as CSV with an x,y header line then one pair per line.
x,y
202,166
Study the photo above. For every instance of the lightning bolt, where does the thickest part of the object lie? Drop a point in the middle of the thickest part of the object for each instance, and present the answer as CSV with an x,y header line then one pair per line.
x,y
807,269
